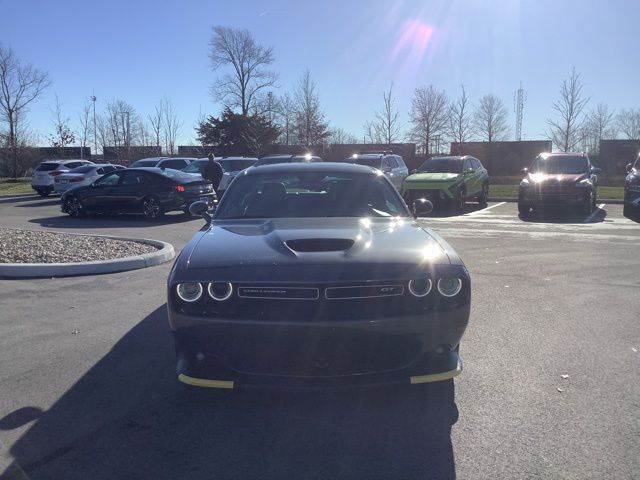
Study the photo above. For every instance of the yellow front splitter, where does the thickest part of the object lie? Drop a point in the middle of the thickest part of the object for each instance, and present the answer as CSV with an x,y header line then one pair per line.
x,y
203,382
437,377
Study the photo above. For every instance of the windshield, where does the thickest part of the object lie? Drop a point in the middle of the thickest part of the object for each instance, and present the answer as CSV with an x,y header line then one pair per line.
x,y
441,165
236,165
178,175
369,162
144,163
559,165
637,164
310,194
196,166
82,169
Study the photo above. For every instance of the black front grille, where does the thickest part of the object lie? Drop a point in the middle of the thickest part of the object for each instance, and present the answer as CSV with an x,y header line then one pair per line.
x,y
279,293
365,291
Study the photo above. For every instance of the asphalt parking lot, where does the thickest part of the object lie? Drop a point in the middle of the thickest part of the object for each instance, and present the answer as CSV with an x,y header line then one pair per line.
x,y
88,387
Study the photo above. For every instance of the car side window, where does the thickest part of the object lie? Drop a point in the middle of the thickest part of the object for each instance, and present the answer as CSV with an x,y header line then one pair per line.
x,y
107,169
177,164
400,161
467,165
109,180
133,178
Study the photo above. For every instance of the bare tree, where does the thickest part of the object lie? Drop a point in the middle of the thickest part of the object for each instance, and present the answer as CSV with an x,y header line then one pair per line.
x,y
248,62
20,84
286,115
172,126
120,125
63,135
566,131
388,120
598,125
429,117
490,119
460,127
310,125
372,132
86,126
338,136
628,123
157,127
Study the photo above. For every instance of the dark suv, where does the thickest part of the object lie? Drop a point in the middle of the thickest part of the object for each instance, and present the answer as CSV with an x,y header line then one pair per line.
x,y
632,189
559,179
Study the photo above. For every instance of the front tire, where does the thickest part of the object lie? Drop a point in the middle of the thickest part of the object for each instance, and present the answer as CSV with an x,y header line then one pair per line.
x,y
524,209
44,192
151,208
484,196
459,201
74,208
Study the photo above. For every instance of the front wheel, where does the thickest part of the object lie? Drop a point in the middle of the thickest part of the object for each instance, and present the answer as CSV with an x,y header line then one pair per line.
x,y
589,204
151,208
44,192
459,201
73,206
484,196
524,209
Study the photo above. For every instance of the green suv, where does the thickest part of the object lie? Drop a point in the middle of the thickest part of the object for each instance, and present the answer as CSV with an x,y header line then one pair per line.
x,y
448,180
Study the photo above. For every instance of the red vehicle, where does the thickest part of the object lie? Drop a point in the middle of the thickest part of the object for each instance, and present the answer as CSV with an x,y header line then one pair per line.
x,y
559,180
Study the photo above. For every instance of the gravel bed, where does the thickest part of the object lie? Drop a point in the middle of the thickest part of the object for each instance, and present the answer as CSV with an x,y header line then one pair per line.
x,y
29,246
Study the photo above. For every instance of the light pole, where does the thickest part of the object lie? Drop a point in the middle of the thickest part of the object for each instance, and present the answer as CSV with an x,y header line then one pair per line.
x,y
95,135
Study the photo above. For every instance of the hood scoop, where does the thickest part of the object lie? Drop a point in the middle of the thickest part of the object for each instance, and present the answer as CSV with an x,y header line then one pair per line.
x,y
320,244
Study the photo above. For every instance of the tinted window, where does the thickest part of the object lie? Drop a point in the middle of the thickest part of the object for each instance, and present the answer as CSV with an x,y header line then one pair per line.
x,y
310,194
107,169
392,162
177,175
132,177
559,164
400,161
468,165
144,163
195,167
637,164
109,180
73,165
177,164
47,167
441,165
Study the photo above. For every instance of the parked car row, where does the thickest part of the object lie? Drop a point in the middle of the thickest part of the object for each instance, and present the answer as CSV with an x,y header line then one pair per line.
x,y
632,189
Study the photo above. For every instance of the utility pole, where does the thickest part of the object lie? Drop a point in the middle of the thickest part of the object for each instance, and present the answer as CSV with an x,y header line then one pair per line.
x,y
519,97
95,134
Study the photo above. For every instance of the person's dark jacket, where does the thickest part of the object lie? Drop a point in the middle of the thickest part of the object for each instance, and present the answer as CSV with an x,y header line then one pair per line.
x,y
213,173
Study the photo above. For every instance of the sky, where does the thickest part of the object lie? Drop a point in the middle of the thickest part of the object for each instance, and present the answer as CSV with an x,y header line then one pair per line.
x,y
143,50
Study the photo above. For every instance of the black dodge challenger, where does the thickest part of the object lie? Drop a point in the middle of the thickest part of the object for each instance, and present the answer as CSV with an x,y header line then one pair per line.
x,y
316,275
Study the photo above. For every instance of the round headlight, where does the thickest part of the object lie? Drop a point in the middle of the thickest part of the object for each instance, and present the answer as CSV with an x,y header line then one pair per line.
x,y
220,291
189,292
449,287
420,287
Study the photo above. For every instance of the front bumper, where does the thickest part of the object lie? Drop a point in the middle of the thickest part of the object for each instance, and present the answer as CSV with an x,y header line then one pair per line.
x,y
632,195
302,354
432,192
554,197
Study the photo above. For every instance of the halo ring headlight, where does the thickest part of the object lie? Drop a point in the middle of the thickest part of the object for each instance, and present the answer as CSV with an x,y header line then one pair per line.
x,y
220,291
449,287
420,287
189,291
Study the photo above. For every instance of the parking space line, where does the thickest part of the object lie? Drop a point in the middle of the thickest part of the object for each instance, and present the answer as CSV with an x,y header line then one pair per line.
x,y
595,212
486,208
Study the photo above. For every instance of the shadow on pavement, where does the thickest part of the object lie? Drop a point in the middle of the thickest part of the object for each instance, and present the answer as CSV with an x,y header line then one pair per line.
x,y
561,215
441,211
128,417
20,198
40,202
111,221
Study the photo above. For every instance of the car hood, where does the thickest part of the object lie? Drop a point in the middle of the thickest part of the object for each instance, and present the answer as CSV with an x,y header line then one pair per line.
x,y
561,178
432,177
327,243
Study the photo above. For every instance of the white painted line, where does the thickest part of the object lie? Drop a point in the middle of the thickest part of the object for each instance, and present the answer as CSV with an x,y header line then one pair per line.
x,y
595,212
486,208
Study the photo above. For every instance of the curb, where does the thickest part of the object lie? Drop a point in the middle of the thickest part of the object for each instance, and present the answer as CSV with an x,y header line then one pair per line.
x,y
513,199
164,253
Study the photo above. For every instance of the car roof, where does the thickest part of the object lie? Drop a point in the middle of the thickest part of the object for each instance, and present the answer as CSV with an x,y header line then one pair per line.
x,y
563,154
66,160
450,157
238,158
328,167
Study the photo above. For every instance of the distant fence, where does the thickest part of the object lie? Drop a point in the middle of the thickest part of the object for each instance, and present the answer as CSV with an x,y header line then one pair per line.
x,y
126,155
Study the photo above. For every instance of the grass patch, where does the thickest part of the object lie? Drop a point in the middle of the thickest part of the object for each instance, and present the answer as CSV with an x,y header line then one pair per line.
x,y
9,186
511,191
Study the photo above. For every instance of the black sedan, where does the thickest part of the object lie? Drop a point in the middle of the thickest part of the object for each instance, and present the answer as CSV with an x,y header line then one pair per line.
x,y
150,191
632,189
316,275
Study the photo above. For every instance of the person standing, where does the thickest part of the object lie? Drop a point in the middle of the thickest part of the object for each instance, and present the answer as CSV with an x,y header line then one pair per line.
x,y
213,172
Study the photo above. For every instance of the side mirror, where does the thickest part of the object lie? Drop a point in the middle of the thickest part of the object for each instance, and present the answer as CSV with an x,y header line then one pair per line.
x,y
200,209
524,171
628,167
595,170
422,206
387,170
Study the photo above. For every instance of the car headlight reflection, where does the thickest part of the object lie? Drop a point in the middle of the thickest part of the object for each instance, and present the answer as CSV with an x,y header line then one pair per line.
x,y
189,292
449,287
420,287
220,291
